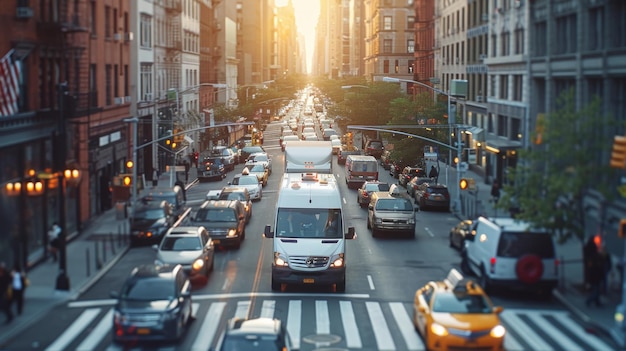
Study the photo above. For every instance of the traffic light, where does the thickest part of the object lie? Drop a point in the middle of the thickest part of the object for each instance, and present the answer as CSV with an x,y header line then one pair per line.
x,y
618,155
463,184
621,229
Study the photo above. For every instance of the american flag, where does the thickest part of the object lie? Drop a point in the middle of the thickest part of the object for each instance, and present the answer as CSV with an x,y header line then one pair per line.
x,y
9,84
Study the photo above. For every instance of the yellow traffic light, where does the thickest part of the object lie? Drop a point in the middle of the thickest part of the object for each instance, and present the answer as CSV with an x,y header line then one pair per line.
x,y
618,155
127,180
168,141
463,184
173,145
621,229
129,164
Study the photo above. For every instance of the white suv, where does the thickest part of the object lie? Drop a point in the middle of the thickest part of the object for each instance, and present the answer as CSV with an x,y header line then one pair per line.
x,y
511,253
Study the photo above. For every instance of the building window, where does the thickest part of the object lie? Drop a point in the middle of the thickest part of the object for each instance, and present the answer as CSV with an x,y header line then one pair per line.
x,y
145,39
594,88
504,86
411,68
494,45
410,22
116,88
387,22
516,129
503,122
492,85
410,46
596,33
519,41
387,46
541,39
93,85
518,87
505,44
386,66
397,67
617,24
565,35
108,88
107,22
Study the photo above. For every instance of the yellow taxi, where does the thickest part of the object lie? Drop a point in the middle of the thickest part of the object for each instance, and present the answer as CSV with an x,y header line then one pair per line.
x,y
259,170
456,314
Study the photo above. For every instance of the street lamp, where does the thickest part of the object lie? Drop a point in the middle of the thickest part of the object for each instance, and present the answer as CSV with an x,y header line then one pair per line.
x,y
457,201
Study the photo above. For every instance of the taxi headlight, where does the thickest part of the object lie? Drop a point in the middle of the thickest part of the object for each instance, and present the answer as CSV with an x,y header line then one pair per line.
x,y
279,260
232,232
336,261
438,329
197,264
498,331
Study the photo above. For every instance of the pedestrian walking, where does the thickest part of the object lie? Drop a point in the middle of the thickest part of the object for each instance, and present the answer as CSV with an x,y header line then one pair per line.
x,y
53,239
6,292
19,285
589,250
495,191
596,272
433,173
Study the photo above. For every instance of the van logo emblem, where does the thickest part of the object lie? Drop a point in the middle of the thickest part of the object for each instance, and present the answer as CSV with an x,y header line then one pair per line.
x,y
310,262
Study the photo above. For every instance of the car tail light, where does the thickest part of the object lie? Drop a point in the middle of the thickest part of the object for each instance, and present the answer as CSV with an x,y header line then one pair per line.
x,y
492,263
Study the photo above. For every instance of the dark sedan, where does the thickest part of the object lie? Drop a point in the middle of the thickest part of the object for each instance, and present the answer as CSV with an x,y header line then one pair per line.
x,y
150,221
432,196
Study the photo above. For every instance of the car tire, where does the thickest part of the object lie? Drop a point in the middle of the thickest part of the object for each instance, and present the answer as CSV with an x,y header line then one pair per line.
x,y
369,225
484,281
529,269
450,240
275,285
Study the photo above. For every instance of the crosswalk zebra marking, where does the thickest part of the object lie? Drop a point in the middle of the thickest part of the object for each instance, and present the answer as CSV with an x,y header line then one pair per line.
x,y
555,334
511,344
384,341
413,342
322,319
530,337
294,319
267,309
243,308
594,342
74,329
353,339
204,340
98,333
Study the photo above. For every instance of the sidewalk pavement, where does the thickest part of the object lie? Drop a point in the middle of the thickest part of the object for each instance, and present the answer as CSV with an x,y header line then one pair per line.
x,y
571,292
90,254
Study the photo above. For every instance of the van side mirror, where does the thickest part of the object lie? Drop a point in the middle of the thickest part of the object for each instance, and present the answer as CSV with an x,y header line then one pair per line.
x,y
351,233
268,233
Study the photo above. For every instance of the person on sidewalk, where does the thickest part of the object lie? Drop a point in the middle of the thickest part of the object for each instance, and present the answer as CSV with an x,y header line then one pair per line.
x,y
495,191
6,292
596,274
19,285
433,173
53,239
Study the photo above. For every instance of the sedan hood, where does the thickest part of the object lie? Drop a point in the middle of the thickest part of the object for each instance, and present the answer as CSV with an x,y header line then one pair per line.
x,y
182,257
467,321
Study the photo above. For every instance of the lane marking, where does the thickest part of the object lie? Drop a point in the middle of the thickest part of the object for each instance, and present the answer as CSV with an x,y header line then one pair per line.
x,y
74,329
267,309
322,319
370,282
384,341
520,327
211,322
294,320
413,342
98,333
432,235
353,339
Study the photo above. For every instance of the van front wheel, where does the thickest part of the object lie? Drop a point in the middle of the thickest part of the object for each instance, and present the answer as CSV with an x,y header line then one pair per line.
x,y
275,285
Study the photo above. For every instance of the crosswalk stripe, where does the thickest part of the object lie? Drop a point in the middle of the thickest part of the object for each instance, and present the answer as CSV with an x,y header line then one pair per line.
x,y
243,308
555,333
322,319
591,340
211,322
530,337
413,342
267,309
510,343
294,319
74,329
353,339
98,333
384,341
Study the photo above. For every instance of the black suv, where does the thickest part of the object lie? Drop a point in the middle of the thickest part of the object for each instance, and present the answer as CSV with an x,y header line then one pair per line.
x,y
150,221
225,220
153,304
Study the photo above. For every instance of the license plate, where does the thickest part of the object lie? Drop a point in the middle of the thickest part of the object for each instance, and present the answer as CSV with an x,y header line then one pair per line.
x,y
216,241
308,280
143,331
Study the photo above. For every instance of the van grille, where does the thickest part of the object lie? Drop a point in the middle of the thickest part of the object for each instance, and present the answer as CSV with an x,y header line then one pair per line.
x,y
308,261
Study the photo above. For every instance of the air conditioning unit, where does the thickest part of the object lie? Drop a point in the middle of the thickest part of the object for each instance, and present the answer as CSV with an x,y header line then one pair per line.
x,y
128,36
24,12
147,97
127,99
479,98
118,100
118,36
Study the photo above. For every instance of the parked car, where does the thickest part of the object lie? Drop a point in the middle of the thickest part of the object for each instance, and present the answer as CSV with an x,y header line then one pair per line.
x,y
432,196
154,303
267,334
150,221
459,232
364,192
416,183
191,247
409,172
225,220
240,194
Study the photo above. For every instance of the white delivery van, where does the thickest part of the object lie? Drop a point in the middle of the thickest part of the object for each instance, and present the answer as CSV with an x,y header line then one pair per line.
x,y
359,169
309,230
309,156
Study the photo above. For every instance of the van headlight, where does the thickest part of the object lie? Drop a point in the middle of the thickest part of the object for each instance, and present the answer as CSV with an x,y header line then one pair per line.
x,y
280,260
336,261
232,232
197,264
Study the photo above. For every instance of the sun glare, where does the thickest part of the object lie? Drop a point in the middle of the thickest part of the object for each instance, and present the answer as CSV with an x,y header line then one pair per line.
x,y
307,13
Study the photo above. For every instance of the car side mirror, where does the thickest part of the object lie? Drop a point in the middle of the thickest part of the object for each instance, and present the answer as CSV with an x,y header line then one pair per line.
x,y
351,233
268,233
497,309
421,309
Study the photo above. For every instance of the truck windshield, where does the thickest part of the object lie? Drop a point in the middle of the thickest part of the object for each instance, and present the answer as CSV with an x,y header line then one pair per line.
x,y
309,223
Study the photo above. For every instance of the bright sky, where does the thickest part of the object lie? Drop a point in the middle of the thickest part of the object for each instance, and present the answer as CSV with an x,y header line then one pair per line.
x,y
307,13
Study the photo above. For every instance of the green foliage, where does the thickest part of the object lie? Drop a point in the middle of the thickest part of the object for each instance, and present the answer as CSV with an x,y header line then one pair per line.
x,y
550,180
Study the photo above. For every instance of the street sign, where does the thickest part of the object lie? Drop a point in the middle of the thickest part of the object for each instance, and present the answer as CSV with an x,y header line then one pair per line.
x,y
622,190
463,167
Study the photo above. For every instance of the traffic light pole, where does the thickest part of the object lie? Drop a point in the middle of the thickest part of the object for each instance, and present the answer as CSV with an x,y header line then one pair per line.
x,y
133,194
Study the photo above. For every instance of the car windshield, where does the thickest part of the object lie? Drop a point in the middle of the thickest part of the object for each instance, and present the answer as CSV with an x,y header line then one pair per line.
x,y
520,244
251,342
246,181
394,205
258,167
377,187
216,215
155,213
233,196
149,289
461,303
259,158
172,243
309,223
376,145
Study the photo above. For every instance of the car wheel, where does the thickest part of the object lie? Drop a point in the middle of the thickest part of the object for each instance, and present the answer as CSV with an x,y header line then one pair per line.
x,y
369,225
275,285
484,280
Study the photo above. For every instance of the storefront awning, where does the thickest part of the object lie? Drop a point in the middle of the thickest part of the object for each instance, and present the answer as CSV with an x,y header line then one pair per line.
x,y
498,144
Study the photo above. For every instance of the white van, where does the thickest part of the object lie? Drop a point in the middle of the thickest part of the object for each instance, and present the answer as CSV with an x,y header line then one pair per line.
x,y
359,169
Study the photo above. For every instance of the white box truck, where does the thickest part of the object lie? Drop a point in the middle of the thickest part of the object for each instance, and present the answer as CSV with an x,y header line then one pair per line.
x,y
309,230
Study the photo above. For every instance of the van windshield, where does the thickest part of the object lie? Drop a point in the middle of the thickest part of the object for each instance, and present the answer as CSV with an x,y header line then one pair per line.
x,y
309,223
394,205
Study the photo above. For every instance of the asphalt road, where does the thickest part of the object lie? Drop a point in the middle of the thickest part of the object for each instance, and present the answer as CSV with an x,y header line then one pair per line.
x,y
374,313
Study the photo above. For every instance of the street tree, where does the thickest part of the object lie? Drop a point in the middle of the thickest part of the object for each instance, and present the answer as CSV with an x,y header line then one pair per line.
x,y
568,157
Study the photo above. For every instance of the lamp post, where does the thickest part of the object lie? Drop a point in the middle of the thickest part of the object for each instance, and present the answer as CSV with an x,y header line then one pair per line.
x,y
451,123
